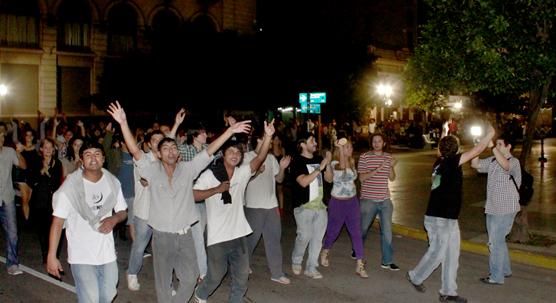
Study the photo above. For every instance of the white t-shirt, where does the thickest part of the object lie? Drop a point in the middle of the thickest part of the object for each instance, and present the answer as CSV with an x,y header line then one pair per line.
x,y
226,222
141,202
85,245
261,190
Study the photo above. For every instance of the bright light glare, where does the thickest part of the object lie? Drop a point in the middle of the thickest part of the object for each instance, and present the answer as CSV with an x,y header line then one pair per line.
x,y
476,131
388,102
3,90
287,109
384,90
458,105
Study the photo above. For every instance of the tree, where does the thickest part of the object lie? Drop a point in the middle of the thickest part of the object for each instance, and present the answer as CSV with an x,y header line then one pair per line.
x,y
496,46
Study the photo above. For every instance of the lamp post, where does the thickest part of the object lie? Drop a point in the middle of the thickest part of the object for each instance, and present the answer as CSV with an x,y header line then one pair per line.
x,y
385,91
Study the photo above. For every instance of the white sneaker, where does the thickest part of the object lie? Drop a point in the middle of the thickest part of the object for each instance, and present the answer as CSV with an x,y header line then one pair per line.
x,y
282,280
14,270
296,269
133,283
313,274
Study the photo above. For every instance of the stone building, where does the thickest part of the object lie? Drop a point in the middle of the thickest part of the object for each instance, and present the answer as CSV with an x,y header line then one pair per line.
x,y
53,52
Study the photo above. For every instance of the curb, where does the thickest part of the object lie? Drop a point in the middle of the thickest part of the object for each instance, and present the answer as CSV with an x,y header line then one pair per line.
x,y
519,256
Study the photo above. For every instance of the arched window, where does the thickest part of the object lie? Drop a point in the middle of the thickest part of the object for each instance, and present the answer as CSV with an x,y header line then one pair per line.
x,y
122,29
167,30
203,25
19,23
74,28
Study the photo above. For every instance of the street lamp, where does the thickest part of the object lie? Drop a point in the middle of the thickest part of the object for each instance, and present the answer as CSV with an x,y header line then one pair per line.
x,y
385,91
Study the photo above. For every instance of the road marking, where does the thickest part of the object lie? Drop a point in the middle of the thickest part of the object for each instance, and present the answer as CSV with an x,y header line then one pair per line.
x,y
44,277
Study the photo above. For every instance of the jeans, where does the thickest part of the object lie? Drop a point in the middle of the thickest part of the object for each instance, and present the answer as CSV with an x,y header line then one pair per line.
x,y
174,254
340,212
384,209
498,227
232,254
444,243
266,222
311,226
143,233
198,233
95,283
9,225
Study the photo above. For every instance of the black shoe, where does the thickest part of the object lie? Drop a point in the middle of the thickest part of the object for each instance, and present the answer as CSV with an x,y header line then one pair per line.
x,y
487,280
456,299
418,287
392,267
353,255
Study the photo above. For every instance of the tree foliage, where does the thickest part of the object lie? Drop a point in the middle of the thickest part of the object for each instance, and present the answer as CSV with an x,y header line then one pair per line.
x,y
496,46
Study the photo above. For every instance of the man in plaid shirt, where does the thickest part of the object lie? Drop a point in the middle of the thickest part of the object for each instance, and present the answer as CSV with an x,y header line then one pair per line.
x,y
502,205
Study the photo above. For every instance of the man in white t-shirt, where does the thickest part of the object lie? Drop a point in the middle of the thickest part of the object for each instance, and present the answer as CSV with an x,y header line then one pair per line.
x,y
223,189
85,203
262,213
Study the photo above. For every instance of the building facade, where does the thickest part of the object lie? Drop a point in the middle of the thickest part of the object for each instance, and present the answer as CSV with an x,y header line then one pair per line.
x,y
53,52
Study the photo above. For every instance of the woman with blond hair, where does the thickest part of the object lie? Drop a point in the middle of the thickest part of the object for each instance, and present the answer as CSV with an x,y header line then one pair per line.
x,y
343,207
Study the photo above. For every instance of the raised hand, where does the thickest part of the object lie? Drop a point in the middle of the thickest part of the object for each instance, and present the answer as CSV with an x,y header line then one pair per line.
x,y
117,112
109,127
79,123
269,128
285,162
180,116
241,127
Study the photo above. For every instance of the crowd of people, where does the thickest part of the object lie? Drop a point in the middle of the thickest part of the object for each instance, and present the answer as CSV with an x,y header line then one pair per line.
x,y
204,203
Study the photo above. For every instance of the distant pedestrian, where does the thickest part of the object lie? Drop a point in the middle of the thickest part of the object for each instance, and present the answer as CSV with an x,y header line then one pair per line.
x,y
441,218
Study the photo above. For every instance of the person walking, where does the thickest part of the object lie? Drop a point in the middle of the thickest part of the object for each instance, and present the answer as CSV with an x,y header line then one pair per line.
x,y
343,207
441,217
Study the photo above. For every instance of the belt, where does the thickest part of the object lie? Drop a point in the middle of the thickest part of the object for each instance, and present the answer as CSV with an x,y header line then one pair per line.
x,y
186,229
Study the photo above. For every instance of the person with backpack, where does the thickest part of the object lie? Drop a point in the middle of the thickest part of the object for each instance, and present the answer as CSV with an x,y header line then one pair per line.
x,y
502,205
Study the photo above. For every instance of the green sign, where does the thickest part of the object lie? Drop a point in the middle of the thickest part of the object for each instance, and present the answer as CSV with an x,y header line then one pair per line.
x,y
319,98
314,108
303,98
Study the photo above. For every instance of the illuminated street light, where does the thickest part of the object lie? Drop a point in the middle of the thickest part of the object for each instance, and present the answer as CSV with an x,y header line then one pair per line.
x,y
458,105
385,91
476,131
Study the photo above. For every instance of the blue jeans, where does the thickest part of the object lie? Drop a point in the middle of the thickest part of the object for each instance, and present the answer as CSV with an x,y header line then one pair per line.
x,y
95,283
444,243
384,209
9,225
143,233
233,254
311,227
198,233
498,227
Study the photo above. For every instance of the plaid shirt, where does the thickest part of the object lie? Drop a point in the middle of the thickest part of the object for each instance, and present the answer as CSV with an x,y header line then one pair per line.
x,y
502,195
189,151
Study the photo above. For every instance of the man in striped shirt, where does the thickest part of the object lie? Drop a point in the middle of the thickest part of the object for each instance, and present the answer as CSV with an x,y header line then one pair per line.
x,y
376,168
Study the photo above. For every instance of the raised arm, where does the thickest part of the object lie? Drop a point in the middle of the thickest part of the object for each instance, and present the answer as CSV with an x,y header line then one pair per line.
x,y
118,113
261,156
284,163
239,127
479,148
180,116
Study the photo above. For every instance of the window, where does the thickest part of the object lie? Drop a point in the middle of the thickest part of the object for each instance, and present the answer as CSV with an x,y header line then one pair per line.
x,y
19,23
122,29
74,29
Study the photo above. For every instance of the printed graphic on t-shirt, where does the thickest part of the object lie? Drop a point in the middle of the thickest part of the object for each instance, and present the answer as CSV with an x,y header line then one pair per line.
x,y
436,177
316,187
97,199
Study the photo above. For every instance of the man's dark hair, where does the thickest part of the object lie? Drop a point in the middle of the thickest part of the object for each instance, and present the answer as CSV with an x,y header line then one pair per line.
x,y
448,146
154,132
303,138
507,140
164,140
193,131
88,144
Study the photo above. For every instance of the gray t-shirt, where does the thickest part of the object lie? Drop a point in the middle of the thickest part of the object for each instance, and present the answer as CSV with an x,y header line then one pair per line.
x,y
172,207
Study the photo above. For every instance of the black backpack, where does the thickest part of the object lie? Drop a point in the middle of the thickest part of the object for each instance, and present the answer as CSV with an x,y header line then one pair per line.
x,y
526,189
